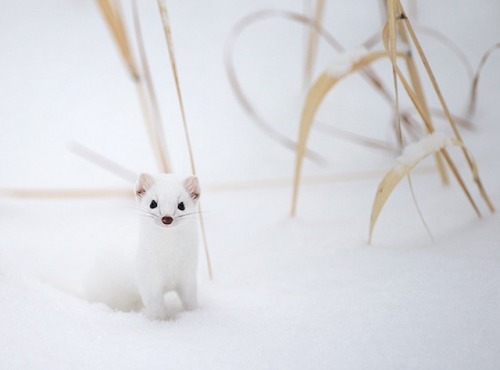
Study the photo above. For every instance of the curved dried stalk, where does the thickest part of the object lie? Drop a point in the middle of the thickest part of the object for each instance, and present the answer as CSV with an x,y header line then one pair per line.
x,y
446,41
233,79
404,164
475,81
355,138
314,98
367,73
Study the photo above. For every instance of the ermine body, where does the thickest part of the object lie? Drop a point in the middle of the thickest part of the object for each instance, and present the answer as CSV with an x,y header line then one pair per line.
x,y
167,254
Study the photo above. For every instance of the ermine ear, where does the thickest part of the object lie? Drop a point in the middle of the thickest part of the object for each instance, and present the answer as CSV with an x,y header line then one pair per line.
x,y
143,184
192,187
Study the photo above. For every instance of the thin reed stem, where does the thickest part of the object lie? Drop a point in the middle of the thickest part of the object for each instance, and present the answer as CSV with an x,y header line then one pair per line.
x,y
451,120
312,42
157,135
170,46
103,162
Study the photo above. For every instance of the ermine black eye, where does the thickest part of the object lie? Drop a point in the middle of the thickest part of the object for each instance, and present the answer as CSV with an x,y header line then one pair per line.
x,y
181,206
153,204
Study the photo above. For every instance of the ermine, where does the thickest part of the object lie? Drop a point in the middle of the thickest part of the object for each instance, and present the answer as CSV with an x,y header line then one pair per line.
x,y
167,254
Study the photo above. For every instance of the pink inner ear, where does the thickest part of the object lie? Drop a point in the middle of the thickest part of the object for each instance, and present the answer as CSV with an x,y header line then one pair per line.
x,y
144,182
192,187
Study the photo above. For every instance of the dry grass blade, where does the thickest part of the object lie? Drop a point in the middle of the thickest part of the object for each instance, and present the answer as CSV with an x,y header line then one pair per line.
x,y
475,80
306,180
315,96
312,42
103,162
173,64
419,91
66,193
355,138
162,6
156,132
114,20
389,36
391,28
412,155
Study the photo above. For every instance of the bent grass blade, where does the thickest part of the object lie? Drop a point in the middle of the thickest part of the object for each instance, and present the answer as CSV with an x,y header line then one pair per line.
x,y
315,96
411,157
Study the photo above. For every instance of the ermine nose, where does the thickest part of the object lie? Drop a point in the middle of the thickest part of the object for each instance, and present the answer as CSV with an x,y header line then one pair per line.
x,y
167,220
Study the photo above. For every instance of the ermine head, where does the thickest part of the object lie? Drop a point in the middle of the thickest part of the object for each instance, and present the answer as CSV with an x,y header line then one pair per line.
x,y
167,199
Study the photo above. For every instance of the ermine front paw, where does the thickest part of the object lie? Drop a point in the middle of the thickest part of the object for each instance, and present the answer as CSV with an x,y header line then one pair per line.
x,y
188,298
156,310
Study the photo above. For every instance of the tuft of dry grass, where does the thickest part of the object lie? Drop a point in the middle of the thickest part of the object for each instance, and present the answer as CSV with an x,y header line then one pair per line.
x,y
397,27
401,17
396,15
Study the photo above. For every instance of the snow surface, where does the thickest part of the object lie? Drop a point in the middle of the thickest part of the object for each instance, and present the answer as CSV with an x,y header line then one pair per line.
x,y
303,293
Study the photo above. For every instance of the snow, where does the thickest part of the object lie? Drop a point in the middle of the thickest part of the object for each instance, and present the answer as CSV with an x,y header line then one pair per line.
x,y
416,151
288,293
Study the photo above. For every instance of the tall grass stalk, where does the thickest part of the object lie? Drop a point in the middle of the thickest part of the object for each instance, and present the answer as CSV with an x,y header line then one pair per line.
x,y
162,6
157,131
312,42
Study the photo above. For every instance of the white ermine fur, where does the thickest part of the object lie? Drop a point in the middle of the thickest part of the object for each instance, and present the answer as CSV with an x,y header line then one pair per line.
x,y
167,255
